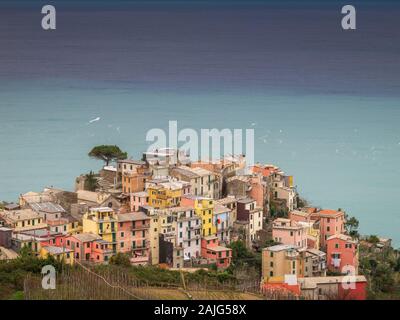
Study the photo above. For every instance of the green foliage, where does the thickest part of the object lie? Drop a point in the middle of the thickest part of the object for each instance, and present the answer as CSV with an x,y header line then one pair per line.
x,y
278,212
373,239
270,243
13,272
107,153
381,269
90,181
241,256
17,295
351,226
301,202
120,259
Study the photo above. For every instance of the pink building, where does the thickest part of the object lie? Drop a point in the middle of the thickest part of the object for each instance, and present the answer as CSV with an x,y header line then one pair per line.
x,y
342,253
258,190
89,247
331,223
138,199
300,216
289,232
133,236
214,253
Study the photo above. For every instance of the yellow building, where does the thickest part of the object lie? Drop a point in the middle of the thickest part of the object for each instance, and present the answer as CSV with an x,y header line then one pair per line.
x,y
103,222
204,208
59,253
22,220
161,197
281,260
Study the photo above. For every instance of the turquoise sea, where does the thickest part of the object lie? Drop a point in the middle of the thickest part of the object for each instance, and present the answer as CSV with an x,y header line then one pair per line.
x,y
325,104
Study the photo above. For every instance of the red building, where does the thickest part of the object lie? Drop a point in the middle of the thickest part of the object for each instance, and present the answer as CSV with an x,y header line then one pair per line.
x,y
342,254
88,247
214,253
331,223
133,236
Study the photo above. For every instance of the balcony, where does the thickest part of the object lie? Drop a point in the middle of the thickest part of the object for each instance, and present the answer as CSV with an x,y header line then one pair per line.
x,y
142,227
196,227
192,237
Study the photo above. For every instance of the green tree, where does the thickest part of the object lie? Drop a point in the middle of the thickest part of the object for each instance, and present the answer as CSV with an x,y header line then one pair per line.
x,y
120,259
107,153
373,239
351,226
90,181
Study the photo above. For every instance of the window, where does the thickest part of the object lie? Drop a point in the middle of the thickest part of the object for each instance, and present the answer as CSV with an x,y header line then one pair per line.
x,y
271,274
122,234
271,264
88,245
122,244
337,245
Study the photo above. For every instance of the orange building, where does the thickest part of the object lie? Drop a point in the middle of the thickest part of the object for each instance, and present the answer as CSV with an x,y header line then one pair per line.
x,y
331,223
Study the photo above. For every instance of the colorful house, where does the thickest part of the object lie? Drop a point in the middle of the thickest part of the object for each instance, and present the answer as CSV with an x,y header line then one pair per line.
x,y
138,199
61,254
222,223
102,221
161,197
289,232
214,253
281,260
334,288
342,253
331,222
22,220
204,208
250,219
133,236
89,247
188,231
203,182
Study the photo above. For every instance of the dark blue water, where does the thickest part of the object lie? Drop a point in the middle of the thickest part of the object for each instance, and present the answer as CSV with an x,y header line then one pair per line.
x,y
324,103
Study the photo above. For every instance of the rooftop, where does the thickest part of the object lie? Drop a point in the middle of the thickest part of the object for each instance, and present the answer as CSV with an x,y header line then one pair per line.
x,y
220,209
329,213
56,250
281,247
86,237
312,282
246,200
343,237
101,209
219,248
18,215
132,216
48,207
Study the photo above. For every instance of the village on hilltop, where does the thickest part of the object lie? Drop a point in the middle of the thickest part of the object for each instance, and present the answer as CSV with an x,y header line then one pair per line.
x,y
165,210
